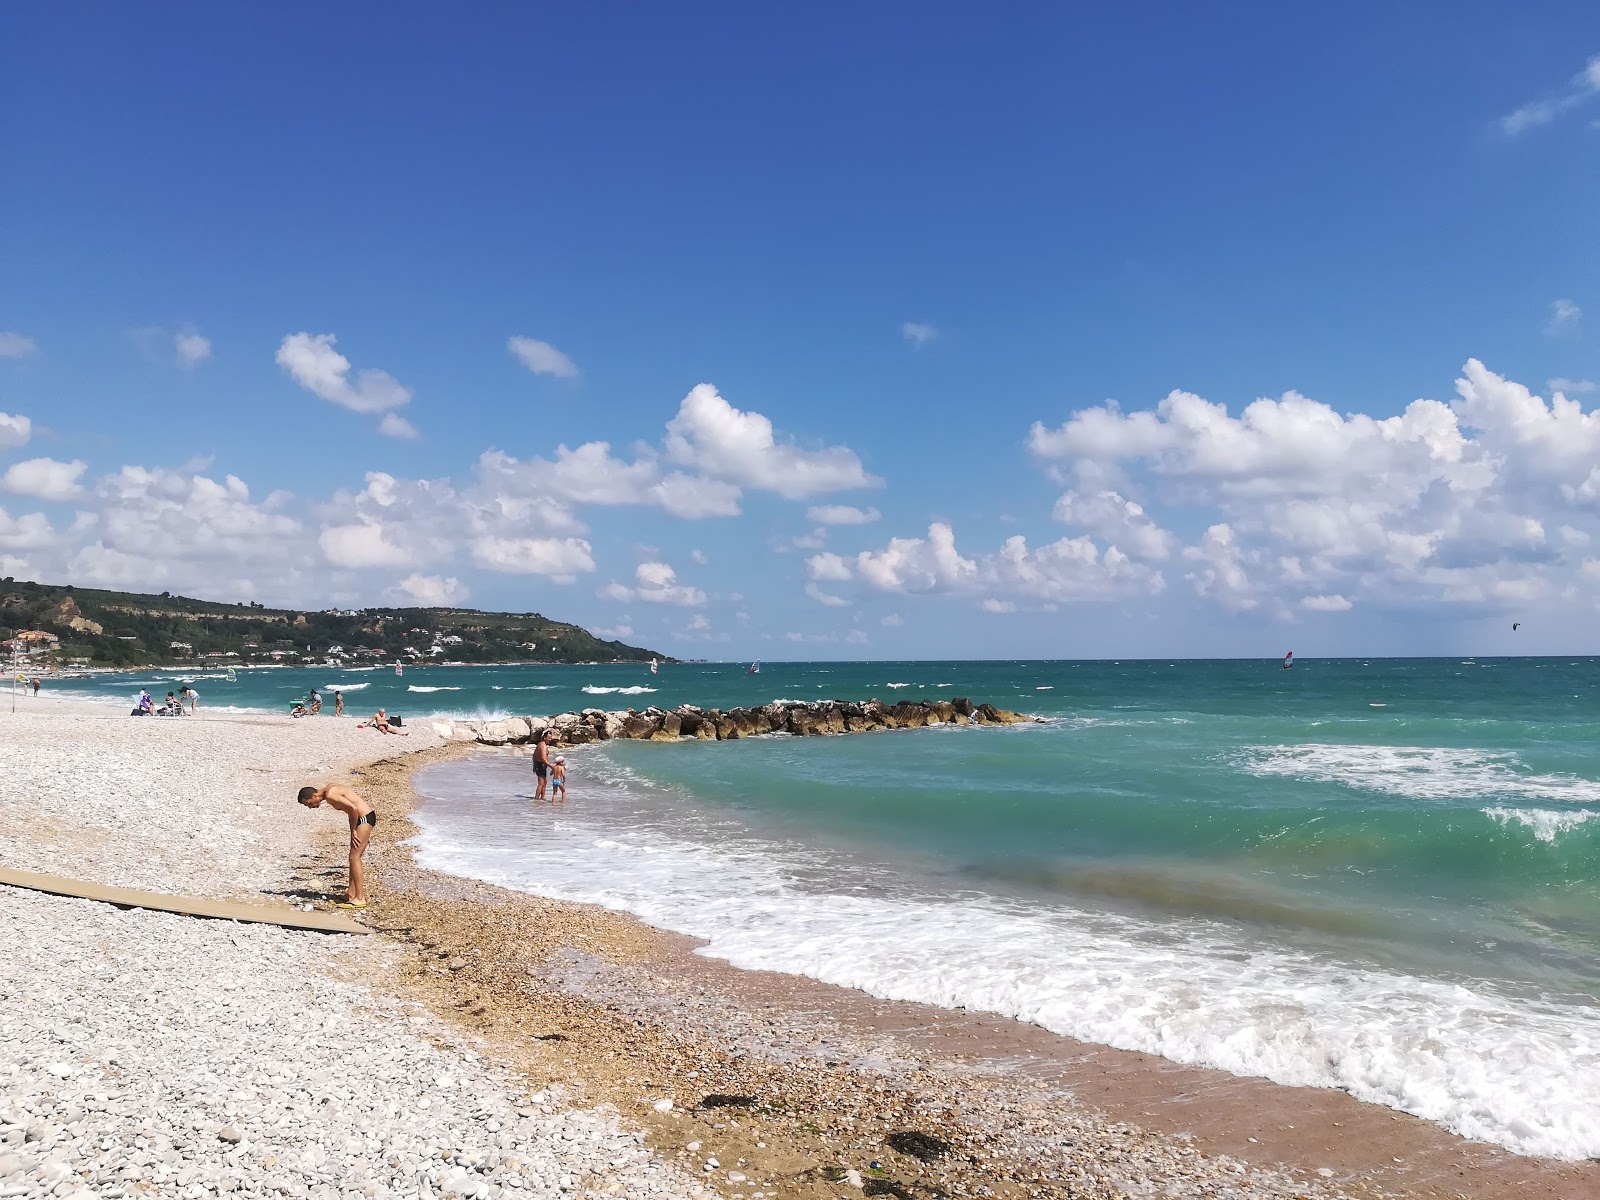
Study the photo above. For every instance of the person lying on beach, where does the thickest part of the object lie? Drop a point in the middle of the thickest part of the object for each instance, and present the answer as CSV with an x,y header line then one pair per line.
x,y
363,820
558,779
380,721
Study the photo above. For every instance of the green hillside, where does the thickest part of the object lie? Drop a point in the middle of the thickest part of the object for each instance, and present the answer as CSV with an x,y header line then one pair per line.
x,y
124,629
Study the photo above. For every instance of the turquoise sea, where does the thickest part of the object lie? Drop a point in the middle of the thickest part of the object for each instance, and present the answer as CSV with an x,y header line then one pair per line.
x,y
1380,875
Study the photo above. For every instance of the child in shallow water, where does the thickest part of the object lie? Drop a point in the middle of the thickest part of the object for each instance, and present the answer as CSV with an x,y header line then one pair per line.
x,y
558,779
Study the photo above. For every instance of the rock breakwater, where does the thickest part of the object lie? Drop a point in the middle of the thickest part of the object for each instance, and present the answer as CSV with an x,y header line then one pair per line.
x,y
812,718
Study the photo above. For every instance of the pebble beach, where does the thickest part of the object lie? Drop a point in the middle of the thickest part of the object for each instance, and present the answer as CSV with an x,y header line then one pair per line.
x,y
487,1043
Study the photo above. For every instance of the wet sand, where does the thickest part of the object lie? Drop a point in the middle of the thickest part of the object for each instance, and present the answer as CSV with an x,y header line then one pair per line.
x,y
820,1077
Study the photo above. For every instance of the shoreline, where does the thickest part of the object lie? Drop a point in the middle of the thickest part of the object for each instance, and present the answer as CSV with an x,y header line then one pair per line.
x,y
1011,1097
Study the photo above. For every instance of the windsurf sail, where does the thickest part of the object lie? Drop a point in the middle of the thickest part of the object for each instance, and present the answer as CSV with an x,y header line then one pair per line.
x,y
1516,625
1288,660
398,670
754,668
654,666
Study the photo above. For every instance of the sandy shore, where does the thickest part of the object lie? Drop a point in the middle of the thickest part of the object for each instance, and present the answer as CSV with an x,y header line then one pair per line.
x,y
609,1057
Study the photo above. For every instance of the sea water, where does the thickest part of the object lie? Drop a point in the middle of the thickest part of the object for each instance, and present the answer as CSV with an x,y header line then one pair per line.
x,y
1381,876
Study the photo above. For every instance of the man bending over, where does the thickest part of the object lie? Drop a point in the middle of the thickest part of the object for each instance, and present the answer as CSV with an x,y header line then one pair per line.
x,y
363,820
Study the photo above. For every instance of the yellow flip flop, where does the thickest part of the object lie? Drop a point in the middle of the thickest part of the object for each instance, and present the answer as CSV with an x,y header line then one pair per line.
x,y
349,903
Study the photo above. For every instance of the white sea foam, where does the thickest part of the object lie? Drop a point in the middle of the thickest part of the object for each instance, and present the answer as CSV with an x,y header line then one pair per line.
x,y
1545,823
344,687
1049,687
417,687
1418,772
897,685
1518,1072
636,690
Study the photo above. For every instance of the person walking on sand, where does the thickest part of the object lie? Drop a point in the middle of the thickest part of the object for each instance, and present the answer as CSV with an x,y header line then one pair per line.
x,y
35,685
541,763
338,703
363,820
558,779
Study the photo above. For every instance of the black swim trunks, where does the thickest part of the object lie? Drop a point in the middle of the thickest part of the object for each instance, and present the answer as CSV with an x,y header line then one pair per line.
x,y
370,819
541,769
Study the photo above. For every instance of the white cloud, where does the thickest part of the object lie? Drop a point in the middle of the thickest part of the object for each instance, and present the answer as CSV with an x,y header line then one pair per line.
x,y
616,633
45,479
1117,521
192,349
827,566
1066,570
917,564
592,475
395,426
28,532
1326,604
698,557
559,558
542,358
1577,387
991,605
656,584
827,599
713,437
362,544
14,431
893,621
430,591
1580,88
815,540
841,514
16,345
856,637
918,333
1220,572
1565,317
315,365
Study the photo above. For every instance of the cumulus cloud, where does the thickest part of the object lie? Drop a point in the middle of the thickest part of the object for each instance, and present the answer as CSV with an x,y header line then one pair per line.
x,y
991,605
1442,502
14,431
827,566
315,365
45,479
841,514
191,348
1579,90
918,333
542,358
655,583
892,621
430,591
1565,317
29,532
1118,521
562,559
395,426
359,545
1326,604
711,436
16,345
615,633
917,564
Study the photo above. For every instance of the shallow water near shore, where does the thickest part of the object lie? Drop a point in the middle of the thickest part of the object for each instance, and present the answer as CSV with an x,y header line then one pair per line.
x,y
1222,863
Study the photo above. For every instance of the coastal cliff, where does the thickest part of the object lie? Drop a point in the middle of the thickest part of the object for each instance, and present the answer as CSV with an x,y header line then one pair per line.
x,y
801,719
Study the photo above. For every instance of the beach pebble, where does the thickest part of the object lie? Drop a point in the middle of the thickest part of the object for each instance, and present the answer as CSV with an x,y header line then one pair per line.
x,y
662,1105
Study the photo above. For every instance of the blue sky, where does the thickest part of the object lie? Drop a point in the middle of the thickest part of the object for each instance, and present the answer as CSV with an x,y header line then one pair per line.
x,y
332,305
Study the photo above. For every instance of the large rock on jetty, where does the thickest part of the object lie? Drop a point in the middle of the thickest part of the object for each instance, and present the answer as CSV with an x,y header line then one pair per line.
x,y
801,719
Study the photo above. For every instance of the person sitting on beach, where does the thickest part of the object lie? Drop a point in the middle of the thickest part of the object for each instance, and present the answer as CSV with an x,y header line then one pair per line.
x,y
541,763
147,706
363,820
380,721
316,701
171,708
558,779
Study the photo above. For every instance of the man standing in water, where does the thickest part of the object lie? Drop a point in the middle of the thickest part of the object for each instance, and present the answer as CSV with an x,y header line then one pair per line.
x,y
363,820
541,764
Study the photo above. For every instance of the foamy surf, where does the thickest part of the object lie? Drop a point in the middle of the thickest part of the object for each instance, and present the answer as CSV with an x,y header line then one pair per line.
x,y
418,687
636,690
1501,1067
1545,824
1418,772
